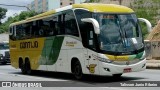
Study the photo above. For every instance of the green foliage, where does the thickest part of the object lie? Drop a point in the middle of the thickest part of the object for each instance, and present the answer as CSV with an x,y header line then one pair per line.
x,y
146,9
144,29
4,27
26,14
2,13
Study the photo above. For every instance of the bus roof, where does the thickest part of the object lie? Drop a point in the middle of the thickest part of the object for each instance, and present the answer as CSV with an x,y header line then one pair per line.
x,y
108,8
92,7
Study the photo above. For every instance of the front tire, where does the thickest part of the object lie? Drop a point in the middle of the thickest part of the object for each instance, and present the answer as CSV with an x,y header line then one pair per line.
x,y
77,71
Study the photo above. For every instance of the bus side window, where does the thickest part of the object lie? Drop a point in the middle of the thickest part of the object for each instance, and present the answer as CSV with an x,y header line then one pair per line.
x,y
60,25
28,31
54,25
18,32
34,33
57,28
70,24
11,34
11,31
40,28
51,28
89,38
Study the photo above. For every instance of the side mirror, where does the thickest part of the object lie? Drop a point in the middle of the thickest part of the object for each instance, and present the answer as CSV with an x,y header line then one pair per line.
x,y
149,25
94,23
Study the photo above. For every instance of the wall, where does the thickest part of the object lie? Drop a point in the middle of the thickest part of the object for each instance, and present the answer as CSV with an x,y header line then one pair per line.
x,y
152,49
4,37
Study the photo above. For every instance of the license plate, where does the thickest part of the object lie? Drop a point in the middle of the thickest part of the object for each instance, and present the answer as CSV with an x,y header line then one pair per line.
x,y
126,70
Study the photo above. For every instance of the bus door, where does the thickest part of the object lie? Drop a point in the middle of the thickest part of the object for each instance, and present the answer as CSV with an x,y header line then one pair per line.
x,y
91,61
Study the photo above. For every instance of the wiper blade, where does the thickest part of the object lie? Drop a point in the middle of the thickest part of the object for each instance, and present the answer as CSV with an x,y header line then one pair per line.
x,y
124,37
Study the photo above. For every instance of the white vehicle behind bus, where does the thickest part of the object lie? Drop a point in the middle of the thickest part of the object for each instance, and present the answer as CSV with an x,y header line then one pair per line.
x,y
4,52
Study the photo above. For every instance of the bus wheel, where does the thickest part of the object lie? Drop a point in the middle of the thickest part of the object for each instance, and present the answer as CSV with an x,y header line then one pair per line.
x,y
77,70
117,75
28,67
22,66
23,69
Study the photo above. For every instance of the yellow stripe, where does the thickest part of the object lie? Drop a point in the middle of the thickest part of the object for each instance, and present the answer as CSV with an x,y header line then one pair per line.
x,y
37,17
92,7
118,58
108,8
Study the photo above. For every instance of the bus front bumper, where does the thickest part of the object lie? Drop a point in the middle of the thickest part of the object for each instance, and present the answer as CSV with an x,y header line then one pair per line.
x,y
111,69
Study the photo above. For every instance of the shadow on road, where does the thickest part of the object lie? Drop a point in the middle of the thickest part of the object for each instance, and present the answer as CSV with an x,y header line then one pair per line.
x,y
90,79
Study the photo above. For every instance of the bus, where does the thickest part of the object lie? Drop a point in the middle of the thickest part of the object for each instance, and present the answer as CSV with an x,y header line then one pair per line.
x,y
87,38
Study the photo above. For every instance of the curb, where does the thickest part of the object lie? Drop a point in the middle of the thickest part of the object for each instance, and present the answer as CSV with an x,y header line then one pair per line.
x,y
153,64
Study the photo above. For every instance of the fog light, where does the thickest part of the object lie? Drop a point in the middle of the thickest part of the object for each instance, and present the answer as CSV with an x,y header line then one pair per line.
x,y
107,69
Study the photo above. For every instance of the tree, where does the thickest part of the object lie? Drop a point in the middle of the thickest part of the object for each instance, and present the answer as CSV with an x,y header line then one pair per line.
x,y
146,9
26,14
4,27
2,13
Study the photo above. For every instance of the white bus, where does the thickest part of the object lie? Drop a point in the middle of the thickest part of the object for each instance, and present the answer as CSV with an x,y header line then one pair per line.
x,y
96,39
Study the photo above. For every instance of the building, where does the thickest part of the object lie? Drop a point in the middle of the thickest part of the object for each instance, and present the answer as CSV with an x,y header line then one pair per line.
x,y
45,5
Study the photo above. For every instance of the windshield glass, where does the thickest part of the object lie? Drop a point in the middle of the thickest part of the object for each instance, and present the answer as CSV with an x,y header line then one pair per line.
x,y
4,46
120,33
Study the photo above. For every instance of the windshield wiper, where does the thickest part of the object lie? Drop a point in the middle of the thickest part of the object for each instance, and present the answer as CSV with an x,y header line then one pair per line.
x,y
122,34
124,38
136,49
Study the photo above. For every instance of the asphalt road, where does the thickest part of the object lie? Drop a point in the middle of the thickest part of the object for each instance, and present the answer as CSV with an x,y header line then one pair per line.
x,y
63,81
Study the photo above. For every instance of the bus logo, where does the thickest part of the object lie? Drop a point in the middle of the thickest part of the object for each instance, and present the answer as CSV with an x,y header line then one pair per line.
x,y
91,68
25,45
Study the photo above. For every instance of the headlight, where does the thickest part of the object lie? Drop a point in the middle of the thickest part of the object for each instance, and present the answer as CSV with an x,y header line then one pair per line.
x,y
105,60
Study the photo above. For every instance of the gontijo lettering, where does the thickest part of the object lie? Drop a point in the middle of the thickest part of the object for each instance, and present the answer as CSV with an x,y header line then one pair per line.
x,y
30,44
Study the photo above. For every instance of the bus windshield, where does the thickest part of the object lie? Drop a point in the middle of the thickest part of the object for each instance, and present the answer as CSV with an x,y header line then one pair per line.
x,y
4,46
119,32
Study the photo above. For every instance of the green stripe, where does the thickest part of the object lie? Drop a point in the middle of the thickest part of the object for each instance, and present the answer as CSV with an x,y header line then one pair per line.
x,y
139,55
51,50
136,56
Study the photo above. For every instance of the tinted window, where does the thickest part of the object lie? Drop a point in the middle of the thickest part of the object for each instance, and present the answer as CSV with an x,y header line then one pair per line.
x,y
59,24
85,28
70,24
